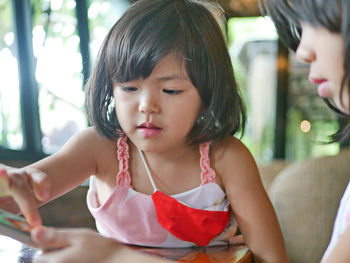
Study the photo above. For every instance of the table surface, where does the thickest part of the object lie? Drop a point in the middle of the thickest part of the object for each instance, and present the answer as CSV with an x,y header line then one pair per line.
x,y
12,251
217,254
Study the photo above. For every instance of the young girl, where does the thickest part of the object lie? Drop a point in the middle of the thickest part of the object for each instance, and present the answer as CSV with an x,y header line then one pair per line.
x,y
166,169
320,33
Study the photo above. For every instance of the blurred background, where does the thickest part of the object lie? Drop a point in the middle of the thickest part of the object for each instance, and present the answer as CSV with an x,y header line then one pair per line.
x,y
47,49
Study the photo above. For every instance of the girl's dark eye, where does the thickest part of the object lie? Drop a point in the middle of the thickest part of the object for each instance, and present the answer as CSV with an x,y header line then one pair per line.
x,y
172,91
129,89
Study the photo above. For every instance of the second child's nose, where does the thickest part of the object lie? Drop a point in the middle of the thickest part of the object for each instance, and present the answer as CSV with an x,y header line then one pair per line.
x,y
305,54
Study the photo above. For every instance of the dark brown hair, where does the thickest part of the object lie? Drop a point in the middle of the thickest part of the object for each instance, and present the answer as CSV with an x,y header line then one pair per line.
x,y
334,15
152,29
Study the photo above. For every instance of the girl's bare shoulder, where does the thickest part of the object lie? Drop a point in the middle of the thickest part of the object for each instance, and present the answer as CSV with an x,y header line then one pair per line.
x,y
89,141
231,157
91,148
230,149
104,150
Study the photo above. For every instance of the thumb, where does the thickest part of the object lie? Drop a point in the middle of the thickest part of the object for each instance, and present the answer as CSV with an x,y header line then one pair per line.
x,y
50,238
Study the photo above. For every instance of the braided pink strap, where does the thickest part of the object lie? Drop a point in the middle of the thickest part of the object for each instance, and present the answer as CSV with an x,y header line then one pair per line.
x,y
208,174
123,176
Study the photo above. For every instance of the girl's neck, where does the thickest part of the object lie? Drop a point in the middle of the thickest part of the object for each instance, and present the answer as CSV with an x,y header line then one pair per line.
x,y
169,169
174,154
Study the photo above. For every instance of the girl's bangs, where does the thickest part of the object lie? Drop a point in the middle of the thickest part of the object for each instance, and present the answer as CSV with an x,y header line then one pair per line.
x,y
135,52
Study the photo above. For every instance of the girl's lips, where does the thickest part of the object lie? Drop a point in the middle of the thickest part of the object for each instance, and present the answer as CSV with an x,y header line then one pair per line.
x,y
149,132
323,88
316,81
148,125
148,129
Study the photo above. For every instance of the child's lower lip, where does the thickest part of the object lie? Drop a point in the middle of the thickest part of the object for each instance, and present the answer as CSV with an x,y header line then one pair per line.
x,y
323,89
149,132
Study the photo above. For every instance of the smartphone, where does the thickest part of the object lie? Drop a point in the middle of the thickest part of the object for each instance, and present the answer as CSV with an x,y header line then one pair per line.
x,y
16,227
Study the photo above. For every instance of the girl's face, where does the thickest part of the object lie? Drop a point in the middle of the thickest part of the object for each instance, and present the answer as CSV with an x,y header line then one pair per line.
x,y
324,51
158,112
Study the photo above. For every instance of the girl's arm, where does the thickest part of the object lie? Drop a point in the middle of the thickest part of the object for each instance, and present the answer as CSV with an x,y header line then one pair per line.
x,y
341,252
74,162
83,245
53,176
250,204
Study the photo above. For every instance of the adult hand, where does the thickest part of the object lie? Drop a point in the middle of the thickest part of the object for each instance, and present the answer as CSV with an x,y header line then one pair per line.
x,y
27,187
83,245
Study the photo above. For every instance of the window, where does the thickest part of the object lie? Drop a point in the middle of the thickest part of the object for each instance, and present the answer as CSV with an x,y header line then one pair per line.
x,y
253,48
58,72
10,116
45,52
102,15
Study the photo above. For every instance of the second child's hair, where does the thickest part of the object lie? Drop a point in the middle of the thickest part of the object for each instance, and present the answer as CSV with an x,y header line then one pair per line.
x,y
147,32
334,15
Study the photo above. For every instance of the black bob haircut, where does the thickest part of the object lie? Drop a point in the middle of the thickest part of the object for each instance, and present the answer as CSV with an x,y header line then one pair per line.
x,y
147,32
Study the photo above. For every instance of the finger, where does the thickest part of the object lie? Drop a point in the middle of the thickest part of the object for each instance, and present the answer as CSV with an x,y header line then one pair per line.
x,y
4,183
58,244
54,256
38,181
15,185
8,203
22,194
40,184
49,237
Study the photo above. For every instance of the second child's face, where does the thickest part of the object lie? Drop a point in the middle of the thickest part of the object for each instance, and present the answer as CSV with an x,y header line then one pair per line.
x,y
158,112
324,51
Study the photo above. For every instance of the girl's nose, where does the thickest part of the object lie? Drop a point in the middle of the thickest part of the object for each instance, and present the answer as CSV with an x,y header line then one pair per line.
x,y
149,105
305,54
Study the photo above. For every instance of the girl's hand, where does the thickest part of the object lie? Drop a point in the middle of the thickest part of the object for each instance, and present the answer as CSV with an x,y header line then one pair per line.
x,y
27,187
83,245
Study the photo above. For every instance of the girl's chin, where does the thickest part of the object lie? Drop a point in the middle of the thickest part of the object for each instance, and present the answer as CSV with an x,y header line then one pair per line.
x,y
343,107
324,89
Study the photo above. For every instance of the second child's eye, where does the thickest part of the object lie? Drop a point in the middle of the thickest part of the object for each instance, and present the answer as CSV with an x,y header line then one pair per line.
x,y
172,91
129,89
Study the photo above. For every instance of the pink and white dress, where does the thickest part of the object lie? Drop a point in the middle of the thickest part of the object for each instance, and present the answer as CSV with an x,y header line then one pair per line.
x,y
130,216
